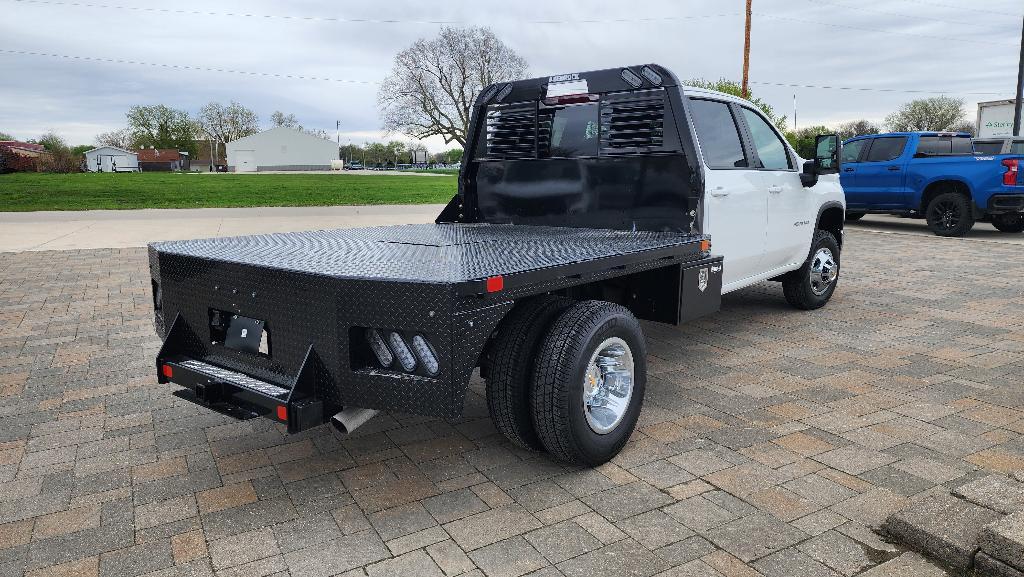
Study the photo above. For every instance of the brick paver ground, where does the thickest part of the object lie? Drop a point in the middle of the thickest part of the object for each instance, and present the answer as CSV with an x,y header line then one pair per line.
x,y
771,443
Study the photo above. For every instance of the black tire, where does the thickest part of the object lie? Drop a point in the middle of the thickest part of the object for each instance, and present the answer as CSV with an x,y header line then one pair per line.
x,y
854,216
1010,222
798,287
510,361
558,386
950,214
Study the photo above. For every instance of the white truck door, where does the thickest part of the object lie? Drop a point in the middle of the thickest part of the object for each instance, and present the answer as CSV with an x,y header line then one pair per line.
x,y
735,199
788,223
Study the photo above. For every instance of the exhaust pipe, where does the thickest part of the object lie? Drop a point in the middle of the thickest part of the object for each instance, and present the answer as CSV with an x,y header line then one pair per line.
x,y
351,418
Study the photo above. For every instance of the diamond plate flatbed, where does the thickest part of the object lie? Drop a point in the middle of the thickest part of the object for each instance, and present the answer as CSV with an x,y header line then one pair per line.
x,y
317,293
431,253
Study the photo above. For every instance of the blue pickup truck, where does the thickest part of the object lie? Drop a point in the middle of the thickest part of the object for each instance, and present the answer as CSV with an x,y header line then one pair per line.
x,y
934,175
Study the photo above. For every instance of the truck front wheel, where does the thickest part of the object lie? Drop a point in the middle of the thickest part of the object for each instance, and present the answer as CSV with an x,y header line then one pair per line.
x,y
949,214
589,383
1010,222
812,285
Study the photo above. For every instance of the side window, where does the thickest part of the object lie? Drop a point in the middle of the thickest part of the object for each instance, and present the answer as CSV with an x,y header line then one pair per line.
x,y
770,148
944,145
851,151
1016,147
989,147
719,138
884,149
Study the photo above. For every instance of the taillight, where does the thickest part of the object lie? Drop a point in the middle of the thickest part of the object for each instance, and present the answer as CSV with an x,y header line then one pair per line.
x,y
1010,176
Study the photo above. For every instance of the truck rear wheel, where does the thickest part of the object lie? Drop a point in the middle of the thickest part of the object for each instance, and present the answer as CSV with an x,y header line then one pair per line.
x,y
949,214
510,363
589,383
1010,222
812,285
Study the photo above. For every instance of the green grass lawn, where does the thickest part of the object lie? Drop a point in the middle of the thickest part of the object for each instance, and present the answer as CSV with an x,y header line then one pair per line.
x,y
29,191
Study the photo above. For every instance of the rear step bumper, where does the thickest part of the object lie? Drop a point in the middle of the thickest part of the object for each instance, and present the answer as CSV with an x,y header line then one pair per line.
x,y
236,394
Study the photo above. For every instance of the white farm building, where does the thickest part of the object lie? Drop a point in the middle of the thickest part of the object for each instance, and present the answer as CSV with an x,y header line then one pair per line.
x,y
111,159
280,149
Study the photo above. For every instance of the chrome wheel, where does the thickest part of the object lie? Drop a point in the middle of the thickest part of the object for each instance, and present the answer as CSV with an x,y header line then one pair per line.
x,y
824,271
608,385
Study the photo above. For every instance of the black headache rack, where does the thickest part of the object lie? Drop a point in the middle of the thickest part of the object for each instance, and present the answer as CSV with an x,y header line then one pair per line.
x,y
298,326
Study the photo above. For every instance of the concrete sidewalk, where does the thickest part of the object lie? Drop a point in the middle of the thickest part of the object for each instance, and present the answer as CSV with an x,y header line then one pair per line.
x,y
71,230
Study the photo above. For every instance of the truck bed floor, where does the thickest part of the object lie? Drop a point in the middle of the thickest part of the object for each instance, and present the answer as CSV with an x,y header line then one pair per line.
x,y
434,253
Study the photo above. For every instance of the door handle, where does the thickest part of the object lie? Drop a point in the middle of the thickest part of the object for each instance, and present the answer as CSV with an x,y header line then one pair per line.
x,y
719,191
774,189
847,170
893,168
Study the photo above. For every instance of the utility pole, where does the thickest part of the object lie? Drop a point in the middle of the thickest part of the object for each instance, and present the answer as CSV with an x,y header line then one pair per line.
x,y
337,133
746,53
1020,87
794,112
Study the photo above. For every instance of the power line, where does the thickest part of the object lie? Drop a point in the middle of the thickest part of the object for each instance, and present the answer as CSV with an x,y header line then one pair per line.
x,y
963,8
898,32
896,14
874,89
184,67
356,20
373,82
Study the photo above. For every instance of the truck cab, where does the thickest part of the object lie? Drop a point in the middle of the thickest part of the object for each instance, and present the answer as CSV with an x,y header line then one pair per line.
x,y
587,202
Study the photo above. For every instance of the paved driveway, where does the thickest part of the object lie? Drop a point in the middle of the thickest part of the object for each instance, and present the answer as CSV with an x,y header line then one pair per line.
x,y
771,442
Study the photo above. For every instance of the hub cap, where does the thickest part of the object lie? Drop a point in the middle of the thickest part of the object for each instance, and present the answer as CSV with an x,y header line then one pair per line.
x,y
824,271
608,385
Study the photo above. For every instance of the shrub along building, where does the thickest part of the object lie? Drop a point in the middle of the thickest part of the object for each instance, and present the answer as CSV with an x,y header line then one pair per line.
x,y
281,149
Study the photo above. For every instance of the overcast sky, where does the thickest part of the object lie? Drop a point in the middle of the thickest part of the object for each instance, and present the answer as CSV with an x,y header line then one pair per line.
x,y
958,47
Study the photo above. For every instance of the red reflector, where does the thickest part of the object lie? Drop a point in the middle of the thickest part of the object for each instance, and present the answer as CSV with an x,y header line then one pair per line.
x,y
167,371
495,283
1010,176
282,413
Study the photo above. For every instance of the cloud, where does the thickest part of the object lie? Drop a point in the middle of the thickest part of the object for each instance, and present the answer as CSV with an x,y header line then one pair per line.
x,y
898,44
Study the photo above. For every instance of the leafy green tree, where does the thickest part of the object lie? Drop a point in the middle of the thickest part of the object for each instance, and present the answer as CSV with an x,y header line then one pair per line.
x,y
5,136
81,149
941,113
736,89
161,126
803,139
224,124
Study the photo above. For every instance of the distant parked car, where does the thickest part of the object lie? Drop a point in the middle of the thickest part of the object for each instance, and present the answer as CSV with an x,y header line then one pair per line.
x,y
935,175
999,145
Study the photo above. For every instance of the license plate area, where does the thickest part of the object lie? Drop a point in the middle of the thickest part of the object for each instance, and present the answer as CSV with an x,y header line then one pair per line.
x,y
239,333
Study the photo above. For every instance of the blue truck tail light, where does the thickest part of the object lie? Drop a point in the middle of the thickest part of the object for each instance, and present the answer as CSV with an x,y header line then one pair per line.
x,y
1010,176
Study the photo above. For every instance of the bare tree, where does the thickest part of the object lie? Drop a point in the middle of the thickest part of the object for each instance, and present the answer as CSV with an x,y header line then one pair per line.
x,y
279,119
433,83
121,138
227,123
936,113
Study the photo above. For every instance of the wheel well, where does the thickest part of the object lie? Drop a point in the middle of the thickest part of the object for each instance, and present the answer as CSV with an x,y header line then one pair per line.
x,y
831,219
940,186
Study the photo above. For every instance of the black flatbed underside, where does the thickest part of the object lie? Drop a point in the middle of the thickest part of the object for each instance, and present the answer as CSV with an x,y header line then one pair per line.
x,y
432,253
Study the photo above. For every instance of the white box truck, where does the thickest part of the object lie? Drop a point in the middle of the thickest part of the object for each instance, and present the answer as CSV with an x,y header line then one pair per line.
x,y
995,118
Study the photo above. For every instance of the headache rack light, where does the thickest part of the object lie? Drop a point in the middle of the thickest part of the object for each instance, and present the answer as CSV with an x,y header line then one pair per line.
x,y
570,99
